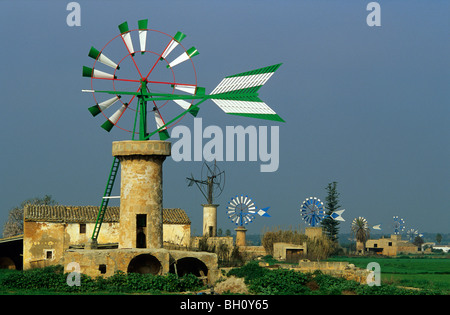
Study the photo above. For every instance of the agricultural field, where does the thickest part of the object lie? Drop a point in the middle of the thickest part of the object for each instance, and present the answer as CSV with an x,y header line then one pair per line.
x,y
409,271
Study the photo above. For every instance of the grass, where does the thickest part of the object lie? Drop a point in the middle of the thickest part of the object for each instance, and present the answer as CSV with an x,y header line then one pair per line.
x,y
409,271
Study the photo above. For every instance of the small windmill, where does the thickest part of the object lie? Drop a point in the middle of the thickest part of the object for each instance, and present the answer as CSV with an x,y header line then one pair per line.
x,y
313,212
211,185
399,225
242,210
412,234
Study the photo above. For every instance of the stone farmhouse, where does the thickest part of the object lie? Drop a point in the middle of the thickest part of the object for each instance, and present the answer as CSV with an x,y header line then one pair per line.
x,y
392,246
51,230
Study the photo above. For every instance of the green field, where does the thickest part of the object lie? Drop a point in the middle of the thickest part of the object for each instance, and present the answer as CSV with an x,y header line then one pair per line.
x,y
417,272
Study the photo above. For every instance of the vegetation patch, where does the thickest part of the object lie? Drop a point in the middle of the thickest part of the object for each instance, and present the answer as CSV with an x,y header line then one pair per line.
x,y
286,281
53,279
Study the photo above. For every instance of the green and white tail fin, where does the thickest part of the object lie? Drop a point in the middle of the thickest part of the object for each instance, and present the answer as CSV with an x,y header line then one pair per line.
x,y
236,94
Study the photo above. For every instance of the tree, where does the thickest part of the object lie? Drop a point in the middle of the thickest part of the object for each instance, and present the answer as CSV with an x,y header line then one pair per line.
x,y
418,241
14,225
438,238
361,231
330,226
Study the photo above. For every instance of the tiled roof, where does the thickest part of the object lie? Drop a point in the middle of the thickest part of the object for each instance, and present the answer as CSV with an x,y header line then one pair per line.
x,y
88,214
175,216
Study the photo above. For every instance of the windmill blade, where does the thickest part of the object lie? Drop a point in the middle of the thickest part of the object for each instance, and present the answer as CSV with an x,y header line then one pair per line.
x,y
94,73
172,44
97,109
97,55
142,24
190,53
126,36
163,133
186,105
114,118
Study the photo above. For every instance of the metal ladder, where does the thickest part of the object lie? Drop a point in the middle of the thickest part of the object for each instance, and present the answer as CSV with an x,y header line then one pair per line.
x,y
105,199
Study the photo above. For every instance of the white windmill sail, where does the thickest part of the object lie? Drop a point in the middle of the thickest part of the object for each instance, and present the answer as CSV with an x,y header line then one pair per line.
x,y
142,24
172,44
125,33
97,55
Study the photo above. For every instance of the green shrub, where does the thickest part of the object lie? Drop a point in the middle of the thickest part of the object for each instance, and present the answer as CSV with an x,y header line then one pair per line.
x,y
280,281
249,272
54,280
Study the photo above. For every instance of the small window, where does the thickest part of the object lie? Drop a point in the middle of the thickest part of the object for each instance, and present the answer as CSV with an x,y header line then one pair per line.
x,y
141,220
82,228
48,254
375,245
390,244
102,268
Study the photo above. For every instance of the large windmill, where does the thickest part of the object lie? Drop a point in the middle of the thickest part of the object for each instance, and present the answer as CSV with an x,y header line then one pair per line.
x,y
130,85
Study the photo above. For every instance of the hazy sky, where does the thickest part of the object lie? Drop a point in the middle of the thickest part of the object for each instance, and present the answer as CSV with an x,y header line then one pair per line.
x,y
367,107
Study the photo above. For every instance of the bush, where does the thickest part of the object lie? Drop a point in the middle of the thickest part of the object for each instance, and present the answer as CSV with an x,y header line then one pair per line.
x,y
53,279
249,272
280,281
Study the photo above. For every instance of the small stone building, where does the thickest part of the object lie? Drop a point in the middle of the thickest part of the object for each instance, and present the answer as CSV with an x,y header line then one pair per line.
x,y
51,230
391,246
289,252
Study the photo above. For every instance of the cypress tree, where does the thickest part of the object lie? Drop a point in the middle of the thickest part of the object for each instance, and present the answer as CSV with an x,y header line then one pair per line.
x,y
330,226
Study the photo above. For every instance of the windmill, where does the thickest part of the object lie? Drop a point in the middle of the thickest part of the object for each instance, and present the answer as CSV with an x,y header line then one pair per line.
x,y
313,212
211,183
412,234
399,225
242,210
130,85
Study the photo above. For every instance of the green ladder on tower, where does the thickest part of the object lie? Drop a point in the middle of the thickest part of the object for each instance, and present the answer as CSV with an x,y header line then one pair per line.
x,y
105,199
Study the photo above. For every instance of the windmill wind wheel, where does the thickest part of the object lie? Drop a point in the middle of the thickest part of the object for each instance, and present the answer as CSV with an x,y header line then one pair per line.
x,y
145,82
242,210
313,212
399,225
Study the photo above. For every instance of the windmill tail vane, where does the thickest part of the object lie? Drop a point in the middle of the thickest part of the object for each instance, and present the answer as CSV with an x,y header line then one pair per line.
x,y
236,94
337,215
263,212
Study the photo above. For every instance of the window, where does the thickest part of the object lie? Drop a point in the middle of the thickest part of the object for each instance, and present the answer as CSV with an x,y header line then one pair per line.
x,y
141,224
49,254
141,220
102,268
390,244
82,228
375,245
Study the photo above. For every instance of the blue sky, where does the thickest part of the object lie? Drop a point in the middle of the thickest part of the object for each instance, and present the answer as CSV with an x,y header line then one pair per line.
x,y
367,107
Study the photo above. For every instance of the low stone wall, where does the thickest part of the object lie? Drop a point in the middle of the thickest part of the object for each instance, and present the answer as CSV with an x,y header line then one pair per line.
x,y
112,260
340,269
